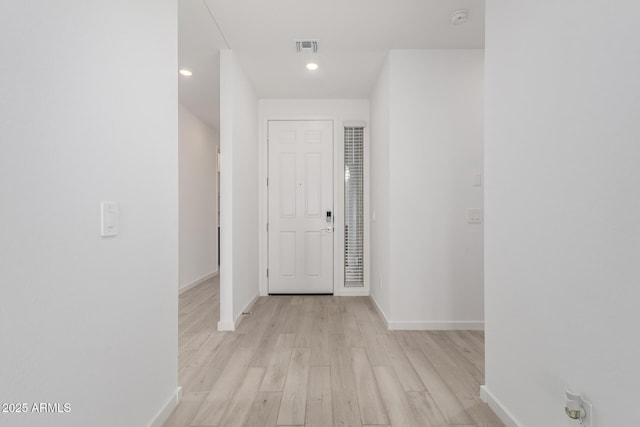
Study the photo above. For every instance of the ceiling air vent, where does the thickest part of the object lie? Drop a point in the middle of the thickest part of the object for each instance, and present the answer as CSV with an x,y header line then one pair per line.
x,y
307,46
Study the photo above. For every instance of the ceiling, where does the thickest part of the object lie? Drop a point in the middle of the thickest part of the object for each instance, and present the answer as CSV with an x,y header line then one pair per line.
x,y
199,44
354,38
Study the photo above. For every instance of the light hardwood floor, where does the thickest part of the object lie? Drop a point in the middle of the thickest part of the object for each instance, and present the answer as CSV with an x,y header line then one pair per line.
x,y
322,361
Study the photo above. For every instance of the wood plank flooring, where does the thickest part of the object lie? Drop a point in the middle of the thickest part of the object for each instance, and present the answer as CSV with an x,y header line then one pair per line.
x,y
322,361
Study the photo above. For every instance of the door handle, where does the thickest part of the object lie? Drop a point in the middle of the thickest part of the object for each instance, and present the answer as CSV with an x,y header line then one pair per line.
x,y
327,230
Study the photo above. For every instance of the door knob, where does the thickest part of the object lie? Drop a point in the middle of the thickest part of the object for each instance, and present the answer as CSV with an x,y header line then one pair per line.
x,y
327,229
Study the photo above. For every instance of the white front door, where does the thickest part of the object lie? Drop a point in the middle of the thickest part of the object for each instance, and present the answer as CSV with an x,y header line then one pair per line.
x,y
300,207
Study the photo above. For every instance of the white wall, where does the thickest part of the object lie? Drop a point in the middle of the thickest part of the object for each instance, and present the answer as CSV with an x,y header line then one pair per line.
x,y
88,114
340,111
435,145
563,237
239,191
198,153
379,184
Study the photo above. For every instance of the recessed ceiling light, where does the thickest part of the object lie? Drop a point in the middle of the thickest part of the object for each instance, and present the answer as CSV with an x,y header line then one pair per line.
x,y
185,72
312,66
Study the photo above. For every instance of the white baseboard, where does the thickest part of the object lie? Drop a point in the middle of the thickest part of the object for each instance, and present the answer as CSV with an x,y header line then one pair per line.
x,y
427,325
351,292
246,309
192,285
167,409
435,325
380,312
505,416
225,325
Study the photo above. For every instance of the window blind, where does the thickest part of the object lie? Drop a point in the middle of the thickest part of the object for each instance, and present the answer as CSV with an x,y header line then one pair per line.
x,y
354,206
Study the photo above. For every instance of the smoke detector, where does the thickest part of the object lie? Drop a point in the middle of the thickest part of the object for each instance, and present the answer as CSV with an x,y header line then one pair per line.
x,y
307,46
459,17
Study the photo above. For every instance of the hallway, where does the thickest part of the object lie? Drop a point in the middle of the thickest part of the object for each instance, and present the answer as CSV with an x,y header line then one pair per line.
x,y
322,361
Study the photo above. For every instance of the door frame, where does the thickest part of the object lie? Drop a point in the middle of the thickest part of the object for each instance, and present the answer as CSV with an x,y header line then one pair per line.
x,y
338,199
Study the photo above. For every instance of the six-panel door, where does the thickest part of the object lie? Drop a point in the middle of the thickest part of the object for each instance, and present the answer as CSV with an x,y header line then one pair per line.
x,y
300,195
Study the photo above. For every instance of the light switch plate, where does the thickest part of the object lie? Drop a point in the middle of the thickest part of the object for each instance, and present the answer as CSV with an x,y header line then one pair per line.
x,y
477,180
109,219
474,216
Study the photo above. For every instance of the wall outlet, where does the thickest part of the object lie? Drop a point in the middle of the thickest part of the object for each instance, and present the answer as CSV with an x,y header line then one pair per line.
x,y
588,419
574,407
